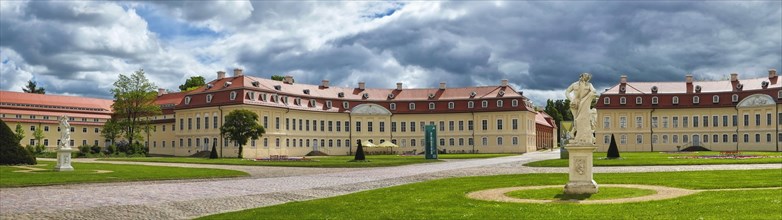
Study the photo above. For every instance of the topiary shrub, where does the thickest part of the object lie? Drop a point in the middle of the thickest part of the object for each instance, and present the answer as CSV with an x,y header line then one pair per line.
x,y
359,153
613,150
213,154
11,152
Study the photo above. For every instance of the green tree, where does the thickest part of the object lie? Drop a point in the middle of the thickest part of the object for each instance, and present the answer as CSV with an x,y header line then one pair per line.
x,y
38,135
32,87
278,77
192,83
19,133
134,103
241,125
111,130
10,150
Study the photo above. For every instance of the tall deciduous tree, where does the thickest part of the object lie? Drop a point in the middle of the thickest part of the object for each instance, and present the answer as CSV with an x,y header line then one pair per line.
x,y
241,125
193,83
134,103
111,130
32,87
19,133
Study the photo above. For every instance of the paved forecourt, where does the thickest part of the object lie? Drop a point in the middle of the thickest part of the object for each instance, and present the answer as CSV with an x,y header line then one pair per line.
x,y
187,199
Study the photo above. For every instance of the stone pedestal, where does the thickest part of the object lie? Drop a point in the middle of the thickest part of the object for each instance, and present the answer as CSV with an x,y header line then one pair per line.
x,y
64,160
580,163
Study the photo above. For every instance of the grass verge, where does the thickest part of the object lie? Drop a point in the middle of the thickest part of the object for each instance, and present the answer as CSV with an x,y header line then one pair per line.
x,y
86,173
557,194
317,161
445,199
663,158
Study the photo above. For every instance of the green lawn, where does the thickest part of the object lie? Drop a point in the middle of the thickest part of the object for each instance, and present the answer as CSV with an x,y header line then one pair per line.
x,y
86,173
445,199
319,161
662,158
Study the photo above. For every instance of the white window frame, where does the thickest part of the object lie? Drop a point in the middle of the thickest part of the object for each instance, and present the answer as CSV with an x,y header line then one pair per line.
x,y
346,105
392,106
451,105
696,99
328,104
607,100
411,106
655,100
514,103
187,100
232,96
675,100
209,98
639,100
313,103
431,106
715,99
470,104
484,104
734,98
622,100
500,103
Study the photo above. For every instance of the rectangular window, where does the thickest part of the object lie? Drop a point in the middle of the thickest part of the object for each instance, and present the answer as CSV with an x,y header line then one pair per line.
x,y
198,123
639,122
287,124
622,122
685,122
323,125
265,121
746,120
189,124
358,126
277,123
515,124
412,126
757,119
499,124
665,122
347,126
331,126
307,125
314,125
654,122
369,126
675,121
715,121
393,126
606,122
695,121
724,121
302,124
705,121
451,125
485,124
768,118
339,126
382,126
461,125
214,122
404,126
469,126
735,120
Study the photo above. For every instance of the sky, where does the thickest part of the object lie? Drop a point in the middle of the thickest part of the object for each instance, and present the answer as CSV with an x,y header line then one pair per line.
x,y
81,47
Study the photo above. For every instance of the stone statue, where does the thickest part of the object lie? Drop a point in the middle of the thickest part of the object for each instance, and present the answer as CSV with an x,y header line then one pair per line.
x,y
582,142
581,94
64,149
65,133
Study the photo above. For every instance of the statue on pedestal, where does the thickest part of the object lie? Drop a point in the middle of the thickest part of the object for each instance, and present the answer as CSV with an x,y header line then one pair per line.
x,y
582,139
64,149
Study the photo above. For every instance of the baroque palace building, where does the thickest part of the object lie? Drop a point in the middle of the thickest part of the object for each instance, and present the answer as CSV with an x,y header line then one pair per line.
x,y
301,118
728,115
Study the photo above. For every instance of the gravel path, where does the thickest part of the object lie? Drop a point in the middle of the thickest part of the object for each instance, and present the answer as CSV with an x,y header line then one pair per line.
x,y
185,199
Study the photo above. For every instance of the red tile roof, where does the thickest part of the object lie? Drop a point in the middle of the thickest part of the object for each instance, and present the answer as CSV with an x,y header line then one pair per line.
x,y
544,119
10,99
706,86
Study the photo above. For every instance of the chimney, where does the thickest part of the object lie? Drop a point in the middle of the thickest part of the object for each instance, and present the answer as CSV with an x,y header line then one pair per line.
x,y
772,73
220,74
287,80
442,85
734,77
161,91
623,79
504,83
362,85
688,78
399,86
324,83
237,72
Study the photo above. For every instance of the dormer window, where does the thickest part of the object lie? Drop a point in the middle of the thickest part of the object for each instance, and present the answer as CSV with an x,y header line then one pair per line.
x,y
232,96
263,97
209,98
341,94
275,98
277,87
328,104
473,94
431,106
485,104
675,100
514,103
226,84
390,96
431,95
209,86
187,100
345,105
655,100
715,99
500,103
284,100
297,101
313,103
638,100
779,94
411,106
307,91
501,93
698,89
392,106
735,97
696,100
451,105
470,104
622,100
256,83
365,96
606,101
250,96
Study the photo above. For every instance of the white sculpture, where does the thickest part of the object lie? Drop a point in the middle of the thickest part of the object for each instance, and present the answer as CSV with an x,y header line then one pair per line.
x,y
64,149
582,140
581,94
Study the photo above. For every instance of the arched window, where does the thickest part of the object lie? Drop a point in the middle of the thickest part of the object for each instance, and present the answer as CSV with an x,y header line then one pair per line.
x,y
638,100
485,104
696,100
499,140
232,96
470,104
734,98
346,105
451,105
187,100
715,99
655,100
411,106
607,101
622,100
485,141
392,106
499,103
431,106
209,98
514,103
675,100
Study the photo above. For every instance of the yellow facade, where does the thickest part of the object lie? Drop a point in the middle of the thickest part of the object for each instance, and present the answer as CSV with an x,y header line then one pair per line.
x,y
81,134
